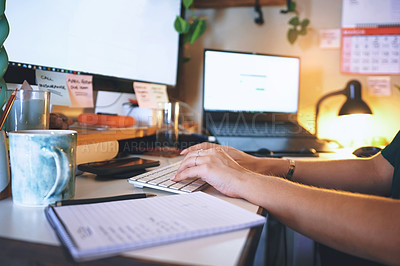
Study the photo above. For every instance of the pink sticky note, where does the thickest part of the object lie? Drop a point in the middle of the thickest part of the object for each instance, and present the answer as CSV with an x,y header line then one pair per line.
x,y
150,95
80,89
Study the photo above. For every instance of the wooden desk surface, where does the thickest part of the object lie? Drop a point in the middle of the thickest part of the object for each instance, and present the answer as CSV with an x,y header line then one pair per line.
x,y
27,238
90,136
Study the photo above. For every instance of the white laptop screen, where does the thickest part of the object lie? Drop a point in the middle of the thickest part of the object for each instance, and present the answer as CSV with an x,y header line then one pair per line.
x,y
236,81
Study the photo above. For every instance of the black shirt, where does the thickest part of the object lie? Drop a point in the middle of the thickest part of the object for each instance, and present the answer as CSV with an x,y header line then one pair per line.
x,y
392,153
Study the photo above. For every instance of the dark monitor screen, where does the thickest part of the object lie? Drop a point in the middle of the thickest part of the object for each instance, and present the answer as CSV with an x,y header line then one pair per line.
x,y
118,39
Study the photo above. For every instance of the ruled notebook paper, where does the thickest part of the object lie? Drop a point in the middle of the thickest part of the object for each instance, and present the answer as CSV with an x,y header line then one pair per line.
x,y
98,230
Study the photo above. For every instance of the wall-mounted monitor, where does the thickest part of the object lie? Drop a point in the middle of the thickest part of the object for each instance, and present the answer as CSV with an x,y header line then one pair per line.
x,y
113,40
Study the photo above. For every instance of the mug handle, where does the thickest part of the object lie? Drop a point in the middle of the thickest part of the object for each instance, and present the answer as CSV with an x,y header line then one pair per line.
x,y
63,170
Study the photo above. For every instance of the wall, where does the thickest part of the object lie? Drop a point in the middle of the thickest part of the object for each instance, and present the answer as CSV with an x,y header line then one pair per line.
x,y
234,29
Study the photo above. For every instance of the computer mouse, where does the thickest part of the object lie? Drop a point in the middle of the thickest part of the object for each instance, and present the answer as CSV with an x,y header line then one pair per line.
x,y
263,152
309,151
366,151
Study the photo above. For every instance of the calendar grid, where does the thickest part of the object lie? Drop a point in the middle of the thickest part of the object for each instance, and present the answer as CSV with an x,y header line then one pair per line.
x,y
371,51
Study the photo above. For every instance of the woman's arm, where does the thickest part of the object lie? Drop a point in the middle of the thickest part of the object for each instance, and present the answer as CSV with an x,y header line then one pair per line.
x,y
366,226
365,175
370,176
362,225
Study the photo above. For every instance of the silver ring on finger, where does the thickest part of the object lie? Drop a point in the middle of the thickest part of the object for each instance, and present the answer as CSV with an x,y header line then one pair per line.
x,y
197,156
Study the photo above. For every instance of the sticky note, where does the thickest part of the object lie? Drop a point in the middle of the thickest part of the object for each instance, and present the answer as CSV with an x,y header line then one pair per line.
x,y
329,38
55,83
150,95
379,86
80,90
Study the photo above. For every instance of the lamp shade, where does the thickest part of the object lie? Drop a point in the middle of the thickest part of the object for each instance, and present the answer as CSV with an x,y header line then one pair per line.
x,y
354,104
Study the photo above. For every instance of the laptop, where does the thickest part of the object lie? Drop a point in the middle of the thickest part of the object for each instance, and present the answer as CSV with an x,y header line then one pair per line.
x,y
250,102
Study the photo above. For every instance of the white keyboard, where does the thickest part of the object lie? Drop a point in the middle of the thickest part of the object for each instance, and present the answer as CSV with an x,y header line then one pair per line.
x,y
159,178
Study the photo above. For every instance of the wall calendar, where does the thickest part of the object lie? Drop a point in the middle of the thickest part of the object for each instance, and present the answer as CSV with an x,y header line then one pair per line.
x,y
370,37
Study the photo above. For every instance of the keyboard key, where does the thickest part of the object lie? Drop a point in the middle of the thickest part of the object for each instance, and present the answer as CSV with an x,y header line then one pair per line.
x,y
157,181
190,188
167,183
159,178
178,185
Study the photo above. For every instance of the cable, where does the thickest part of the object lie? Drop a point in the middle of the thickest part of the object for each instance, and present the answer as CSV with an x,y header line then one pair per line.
x,y
111,104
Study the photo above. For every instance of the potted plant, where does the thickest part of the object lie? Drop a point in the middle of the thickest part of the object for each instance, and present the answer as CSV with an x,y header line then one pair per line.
x,y
191,28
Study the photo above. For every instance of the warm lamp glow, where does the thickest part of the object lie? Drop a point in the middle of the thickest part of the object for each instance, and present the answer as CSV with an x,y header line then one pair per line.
x,y
354,130
353,105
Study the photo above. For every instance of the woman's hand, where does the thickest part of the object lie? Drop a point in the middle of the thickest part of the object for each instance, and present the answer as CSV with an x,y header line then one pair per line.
x,y
270,166
246,160
215,166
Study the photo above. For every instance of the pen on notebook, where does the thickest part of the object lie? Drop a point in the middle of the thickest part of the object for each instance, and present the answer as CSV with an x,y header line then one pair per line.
x,y
105,199
7,109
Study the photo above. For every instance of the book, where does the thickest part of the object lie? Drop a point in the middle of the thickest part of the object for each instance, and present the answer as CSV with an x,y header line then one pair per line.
x,y
98,230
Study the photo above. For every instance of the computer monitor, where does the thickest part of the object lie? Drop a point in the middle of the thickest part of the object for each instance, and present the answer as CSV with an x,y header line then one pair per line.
x,y
249,82
118,39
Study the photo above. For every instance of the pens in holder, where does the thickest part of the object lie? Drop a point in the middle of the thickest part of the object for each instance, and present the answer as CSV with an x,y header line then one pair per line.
x,y
7,109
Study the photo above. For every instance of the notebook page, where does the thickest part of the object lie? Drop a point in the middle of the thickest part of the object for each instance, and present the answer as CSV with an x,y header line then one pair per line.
x,y
118,226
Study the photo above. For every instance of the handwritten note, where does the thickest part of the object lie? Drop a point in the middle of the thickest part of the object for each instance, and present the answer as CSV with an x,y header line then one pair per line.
x,y
379,86
103,229
150,95
329,38
66,89
55,83
80,90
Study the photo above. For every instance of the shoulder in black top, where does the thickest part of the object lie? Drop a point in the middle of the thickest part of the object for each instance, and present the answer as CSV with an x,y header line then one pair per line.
x,y
392,153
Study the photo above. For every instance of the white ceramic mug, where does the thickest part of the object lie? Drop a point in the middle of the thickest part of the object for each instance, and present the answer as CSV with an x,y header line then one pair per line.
x,y
42,166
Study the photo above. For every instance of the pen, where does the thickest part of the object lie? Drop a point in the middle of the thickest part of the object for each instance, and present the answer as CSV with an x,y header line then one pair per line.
x,y
7,109
105,199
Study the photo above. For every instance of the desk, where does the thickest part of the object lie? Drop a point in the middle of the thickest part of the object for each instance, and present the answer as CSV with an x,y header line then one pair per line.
x,y
101,145
90,136
26,236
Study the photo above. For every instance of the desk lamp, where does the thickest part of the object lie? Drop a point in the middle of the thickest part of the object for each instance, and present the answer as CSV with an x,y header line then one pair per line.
x,y
353,105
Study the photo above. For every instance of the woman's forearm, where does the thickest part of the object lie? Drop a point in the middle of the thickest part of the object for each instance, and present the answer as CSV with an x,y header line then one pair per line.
x,y
358,224
370,176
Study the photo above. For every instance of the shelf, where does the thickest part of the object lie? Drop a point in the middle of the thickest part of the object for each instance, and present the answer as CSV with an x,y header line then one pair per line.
x,y
90,136
235,3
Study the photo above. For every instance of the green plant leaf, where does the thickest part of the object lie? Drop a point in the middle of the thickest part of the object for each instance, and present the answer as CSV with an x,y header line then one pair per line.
x,y
305,22
187,3
181,25
292,35
294,21
199,28
397,86
292,7
186,37
302,31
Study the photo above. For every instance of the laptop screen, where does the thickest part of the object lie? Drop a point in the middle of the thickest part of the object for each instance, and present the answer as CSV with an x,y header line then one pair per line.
x,y
246,82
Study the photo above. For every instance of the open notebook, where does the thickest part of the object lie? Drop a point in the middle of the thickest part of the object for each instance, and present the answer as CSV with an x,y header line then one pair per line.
x,y
97,230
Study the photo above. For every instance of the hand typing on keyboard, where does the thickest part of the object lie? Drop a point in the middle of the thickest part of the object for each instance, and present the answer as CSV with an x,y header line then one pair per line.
x,y
160,178
213,165
312,196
